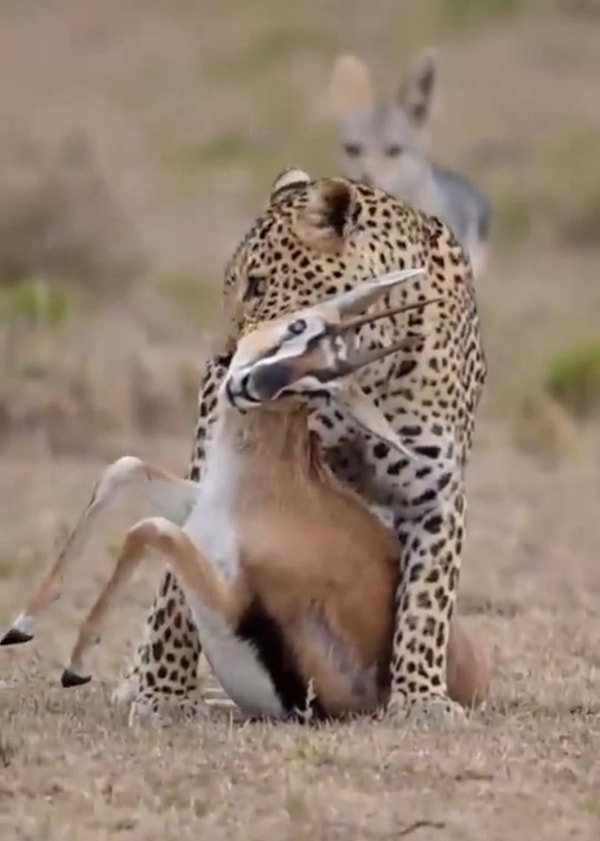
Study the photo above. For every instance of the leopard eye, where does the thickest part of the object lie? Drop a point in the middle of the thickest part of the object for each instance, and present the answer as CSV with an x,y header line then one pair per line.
x,y
353,150
297,327
256,286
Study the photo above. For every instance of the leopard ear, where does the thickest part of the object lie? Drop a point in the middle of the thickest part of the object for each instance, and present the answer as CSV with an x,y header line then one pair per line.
x,y
329,215
290,177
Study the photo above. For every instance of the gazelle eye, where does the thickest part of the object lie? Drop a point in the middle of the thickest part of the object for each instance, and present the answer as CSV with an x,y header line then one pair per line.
x,y
297,327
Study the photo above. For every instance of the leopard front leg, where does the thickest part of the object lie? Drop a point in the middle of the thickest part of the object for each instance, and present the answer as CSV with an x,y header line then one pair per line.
x,y
424,497
425,600
165,664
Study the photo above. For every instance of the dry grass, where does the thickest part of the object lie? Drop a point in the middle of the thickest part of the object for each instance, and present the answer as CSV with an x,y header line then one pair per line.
x,y
190,113
58,219
505,777
73,768
190,110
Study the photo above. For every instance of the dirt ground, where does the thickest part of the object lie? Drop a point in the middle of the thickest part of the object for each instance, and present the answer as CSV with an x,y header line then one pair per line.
x,y
191,110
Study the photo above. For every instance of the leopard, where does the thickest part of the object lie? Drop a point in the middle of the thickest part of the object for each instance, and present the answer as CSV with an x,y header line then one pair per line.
x,y
316,238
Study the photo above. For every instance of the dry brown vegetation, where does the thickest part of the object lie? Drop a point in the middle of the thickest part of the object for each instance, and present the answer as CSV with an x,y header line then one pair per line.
x,y
187,111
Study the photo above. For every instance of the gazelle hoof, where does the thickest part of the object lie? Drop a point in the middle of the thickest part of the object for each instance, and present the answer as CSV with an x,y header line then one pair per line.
x,y
14,636
69,679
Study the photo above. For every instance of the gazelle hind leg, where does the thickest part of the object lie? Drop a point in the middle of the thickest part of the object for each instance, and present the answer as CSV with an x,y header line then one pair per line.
x,y
200,579
171,496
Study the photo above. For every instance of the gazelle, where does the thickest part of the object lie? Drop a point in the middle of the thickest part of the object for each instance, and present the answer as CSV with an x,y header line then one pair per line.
x,y
290,576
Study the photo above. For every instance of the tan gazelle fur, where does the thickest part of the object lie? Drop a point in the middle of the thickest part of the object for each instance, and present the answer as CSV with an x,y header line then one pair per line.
x,y
290,577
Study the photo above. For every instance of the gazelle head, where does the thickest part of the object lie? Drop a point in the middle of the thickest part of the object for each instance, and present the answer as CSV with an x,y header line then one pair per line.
x,y
313,353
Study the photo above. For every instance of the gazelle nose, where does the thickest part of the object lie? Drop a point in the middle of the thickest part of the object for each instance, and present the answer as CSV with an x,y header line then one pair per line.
x,y
266,381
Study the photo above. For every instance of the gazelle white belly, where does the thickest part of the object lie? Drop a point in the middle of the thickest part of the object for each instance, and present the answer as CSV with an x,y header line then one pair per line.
x,y
236,665
211,526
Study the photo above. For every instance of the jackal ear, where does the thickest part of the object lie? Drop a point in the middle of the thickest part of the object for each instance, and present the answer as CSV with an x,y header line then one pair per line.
x,y
329,215
290,177
350,88
417,89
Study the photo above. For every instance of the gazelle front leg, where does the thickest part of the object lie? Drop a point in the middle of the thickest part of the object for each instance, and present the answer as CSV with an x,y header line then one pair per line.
x,y
173,497
201,581
169,628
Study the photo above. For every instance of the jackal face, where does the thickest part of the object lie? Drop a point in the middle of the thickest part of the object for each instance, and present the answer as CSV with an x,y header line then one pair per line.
x,y
385,142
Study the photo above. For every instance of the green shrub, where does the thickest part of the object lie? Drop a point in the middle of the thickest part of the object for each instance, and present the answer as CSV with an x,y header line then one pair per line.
x,y
464,12
35,302
573,380
26,308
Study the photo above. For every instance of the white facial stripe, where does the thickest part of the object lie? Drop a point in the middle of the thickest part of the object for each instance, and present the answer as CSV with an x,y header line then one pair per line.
x,y
238,391
289,344
293,346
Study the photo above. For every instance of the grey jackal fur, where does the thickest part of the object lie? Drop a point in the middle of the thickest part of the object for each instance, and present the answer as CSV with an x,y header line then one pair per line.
x,y
385,142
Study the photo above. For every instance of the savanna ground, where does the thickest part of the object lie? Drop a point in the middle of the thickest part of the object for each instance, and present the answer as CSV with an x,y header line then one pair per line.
x,y
137,142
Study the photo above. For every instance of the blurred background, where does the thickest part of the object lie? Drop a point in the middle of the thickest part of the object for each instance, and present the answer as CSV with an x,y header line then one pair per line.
x,y
138,140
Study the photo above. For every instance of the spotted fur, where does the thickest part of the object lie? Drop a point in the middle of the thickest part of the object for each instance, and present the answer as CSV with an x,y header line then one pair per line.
x,y
317,238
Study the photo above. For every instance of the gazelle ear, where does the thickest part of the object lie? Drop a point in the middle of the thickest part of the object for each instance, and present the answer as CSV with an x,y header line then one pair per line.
x,y
350,88
368,292
417,89
290,177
